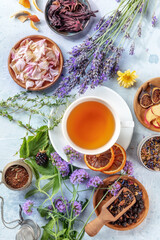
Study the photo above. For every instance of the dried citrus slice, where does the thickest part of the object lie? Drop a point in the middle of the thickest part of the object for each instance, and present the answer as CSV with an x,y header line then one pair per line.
x,y
100,162
119,160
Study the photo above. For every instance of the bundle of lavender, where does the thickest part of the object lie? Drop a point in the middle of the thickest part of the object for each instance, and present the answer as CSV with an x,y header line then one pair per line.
x,y
97,58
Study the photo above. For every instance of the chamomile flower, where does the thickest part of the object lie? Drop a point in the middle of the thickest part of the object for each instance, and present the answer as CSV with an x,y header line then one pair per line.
x,y
126,79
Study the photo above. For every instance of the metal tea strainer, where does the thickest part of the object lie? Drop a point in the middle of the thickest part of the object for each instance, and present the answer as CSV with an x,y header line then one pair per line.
x,y
29,230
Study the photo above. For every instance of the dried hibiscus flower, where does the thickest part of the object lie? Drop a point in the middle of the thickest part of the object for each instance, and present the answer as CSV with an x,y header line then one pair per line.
x,y
68,15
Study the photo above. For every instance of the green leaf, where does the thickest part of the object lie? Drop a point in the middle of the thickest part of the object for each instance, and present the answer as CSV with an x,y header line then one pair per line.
x,y
48,185
49,150
49,169
44,178
42,129
60,233
24,151
48,229
33,144
56,184
35,172
31,193
43,211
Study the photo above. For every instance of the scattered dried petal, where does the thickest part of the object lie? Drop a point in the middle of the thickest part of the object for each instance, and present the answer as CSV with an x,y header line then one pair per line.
x,y
36,6
34,18
25,3
17,14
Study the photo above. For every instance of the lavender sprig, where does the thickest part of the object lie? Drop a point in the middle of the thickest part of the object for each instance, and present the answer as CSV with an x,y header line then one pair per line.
x,y
97,59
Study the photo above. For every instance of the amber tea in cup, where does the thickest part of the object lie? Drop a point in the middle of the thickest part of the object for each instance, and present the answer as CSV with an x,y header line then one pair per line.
x,y
90,125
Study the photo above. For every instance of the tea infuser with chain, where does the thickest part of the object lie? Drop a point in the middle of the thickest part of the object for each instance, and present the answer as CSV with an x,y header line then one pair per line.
x,y
29,230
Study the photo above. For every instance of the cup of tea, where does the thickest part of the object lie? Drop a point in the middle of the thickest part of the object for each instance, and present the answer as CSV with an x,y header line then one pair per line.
x,y
91,125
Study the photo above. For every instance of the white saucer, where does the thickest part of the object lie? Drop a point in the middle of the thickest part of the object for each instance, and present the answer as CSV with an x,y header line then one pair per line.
x,y
117,102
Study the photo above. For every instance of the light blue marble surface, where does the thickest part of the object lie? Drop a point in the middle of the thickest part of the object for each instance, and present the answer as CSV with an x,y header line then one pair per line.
x,y
146,64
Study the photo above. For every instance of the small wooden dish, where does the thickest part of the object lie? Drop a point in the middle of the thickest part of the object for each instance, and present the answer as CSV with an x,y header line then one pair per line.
x,y
99,194
50,43
139,111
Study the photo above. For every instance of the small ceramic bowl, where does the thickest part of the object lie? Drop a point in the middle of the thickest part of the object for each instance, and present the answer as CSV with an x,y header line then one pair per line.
x,y
54,29
140,147
99,194
23,164
46,84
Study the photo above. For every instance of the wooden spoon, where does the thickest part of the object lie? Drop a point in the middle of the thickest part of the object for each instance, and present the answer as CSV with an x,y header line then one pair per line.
x,y
95,226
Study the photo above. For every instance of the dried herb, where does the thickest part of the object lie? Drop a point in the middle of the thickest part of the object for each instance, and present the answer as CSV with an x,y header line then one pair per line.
x,y
69,15
16,176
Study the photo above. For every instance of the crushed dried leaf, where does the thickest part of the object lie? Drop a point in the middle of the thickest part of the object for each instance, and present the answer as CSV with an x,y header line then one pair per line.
x,y
25,3
36,6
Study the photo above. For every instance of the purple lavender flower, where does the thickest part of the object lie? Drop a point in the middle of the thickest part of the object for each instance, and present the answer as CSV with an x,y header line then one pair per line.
x,y
50,207
94,182
28,207
62,165
72,154
139,30
141,8
132,48
154,20
61,204
114,188
79,176
128,168
77,208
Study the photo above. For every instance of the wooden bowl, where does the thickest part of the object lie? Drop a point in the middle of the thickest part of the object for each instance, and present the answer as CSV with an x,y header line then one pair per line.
x,y
99,194
139,111
46,84
54,29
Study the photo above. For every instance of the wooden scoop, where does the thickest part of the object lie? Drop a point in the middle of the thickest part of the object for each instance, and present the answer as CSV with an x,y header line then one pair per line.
x,y
95,226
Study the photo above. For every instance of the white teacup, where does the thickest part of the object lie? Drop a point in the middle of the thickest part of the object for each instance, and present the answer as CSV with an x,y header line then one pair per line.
x,y
114,137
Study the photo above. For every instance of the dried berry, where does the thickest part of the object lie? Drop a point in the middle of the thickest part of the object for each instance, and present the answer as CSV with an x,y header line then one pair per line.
x,y
41,158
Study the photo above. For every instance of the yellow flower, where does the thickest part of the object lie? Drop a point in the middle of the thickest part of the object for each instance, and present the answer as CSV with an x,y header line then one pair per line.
x,y
126,79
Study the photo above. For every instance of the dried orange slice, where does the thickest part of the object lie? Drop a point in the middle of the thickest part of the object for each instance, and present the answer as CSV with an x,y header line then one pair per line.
x,y
100,162
119,160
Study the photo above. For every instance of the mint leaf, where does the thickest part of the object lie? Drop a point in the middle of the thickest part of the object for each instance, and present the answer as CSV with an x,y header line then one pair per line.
x,y
32,145
49,169
35,172
48,228
56,184
24,151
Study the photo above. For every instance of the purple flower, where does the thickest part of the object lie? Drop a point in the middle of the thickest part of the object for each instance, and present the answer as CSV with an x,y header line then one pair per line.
x,y
128,168
139,30
50,207
154,20
62,165
79,176
94,182
28,207
132,48
77,208
114,189
72,154
61,204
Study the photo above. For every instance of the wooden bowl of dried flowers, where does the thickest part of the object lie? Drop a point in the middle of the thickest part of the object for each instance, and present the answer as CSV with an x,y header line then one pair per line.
x,y
136,214
17,175
38,73
68,19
